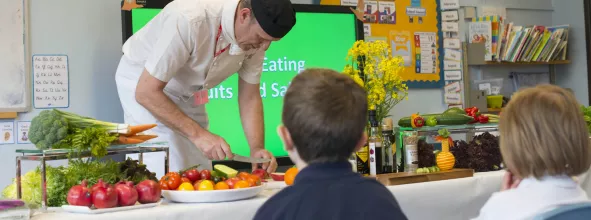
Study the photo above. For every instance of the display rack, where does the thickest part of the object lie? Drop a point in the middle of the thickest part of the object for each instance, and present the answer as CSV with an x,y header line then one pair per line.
x,y
470,130
60,154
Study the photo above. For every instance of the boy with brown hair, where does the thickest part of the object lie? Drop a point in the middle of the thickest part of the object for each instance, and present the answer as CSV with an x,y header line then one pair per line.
x,y
324,116
544,142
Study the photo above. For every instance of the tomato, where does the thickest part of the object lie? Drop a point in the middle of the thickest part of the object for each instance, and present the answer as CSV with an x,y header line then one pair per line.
x,y
221,186
206,175
231,182
186,187
163,184
254,180
250,182
175,174
185,180
196,184
206,185
243,175
173,180
241,184
192,174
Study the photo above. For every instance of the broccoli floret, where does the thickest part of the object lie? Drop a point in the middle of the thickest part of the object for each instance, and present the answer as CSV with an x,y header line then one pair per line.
x,y
48,128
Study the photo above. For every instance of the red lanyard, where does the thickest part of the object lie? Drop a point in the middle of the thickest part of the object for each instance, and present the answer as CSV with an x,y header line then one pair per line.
x,y
216,44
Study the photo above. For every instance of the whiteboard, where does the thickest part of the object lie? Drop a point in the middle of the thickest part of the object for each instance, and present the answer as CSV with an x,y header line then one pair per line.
x,y
14,80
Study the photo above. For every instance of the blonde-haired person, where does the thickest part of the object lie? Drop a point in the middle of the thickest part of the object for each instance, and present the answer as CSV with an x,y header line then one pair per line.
x,y
545,143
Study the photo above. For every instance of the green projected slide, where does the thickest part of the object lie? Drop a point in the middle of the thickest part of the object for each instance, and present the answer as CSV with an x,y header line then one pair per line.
x,y
317,40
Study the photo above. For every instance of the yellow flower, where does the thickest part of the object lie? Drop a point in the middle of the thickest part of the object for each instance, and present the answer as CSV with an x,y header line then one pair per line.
x,y
380,75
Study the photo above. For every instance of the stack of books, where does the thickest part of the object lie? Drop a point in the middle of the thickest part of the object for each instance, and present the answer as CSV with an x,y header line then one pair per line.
x,y
511,43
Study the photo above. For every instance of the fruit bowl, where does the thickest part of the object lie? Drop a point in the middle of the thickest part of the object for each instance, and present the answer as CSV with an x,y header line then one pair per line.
x,y
212,196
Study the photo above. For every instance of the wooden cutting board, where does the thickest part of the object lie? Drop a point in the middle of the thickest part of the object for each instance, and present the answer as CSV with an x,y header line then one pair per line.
x,y
408,177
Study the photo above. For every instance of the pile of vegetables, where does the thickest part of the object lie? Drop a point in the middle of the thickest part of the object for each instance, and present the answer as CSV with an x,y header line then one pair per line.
x,y
431,169
136,172
451,116
56,129
31,187
426,154
60,179
482,153
65,130
474,112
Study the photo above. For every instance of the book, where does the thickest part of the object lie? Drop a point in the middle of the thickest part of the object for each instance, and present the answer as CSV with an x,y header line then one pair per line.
x,y
480,31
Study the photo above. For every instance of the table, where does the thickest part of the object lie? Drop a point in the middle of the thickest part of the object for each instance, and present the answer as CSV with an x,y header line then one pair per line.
x,y
448,199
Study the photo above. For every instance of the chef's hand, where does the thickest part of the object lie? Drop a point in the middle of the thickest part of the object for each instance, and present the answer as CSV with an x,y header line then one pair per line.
x,y
510,181
270,167
213,146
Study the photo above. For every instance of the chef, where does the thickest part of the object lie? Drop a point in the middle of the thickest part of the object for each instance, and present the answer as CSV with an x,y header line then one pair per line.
x,y
189,47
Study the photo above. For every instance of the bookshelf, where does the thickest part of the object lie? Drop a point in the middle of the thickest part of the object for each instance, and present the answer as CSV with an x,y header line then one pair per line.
x,y
474,56
556,62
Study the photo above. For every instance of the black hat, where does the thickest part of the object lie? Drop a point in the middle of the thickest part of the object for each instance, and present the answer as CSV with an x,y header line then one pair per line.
x,y
276,17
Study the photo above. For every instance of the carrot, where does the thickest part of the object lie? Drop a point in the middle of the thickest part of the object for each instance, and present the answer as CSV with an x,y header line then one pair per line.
x,y
139,128
143,137
127,140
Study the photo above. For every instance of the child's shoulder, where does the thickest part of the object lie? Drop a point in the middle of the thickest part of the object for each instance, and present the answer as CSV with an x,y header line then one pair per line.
x,y
515,203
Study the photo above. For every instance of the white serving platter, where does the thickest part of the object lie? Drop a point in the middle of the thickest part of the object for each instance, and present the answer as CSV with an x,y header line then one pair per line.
x,y
212,196
86,210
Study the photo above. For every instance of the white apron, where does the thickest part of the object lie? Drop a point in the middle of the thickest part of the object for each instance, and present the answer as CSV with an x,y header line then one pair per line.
x,y
183,153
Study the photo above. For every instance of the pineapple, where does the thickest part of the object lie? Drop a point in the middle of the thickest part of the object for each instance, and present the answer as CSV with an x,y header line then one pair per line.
x,y
445,160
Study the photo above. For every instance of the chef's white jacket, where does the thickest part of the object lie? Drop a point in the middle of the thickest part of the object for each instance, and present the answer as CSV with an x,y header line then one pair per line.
x,y
177,46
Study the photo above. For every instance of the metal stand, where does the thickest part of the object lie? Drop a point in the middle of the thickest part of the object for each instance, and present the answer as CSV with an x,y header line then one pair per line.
x,y
48,155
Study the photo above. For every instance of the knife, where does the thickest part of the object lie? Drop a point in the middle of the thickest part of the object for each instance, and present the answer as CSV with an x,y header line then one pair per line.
x,y
250,159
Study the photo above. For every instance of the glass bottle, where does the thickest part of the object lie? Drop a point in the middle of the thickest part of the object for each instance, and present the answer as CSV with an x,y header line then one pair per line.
x,y
375,146
362,160
410,149
388,164
353,161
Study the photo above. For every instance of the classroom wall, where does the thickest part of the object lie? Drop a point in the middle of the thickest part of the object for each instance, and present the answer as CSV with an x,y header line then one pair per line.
x,y
573,76
89,32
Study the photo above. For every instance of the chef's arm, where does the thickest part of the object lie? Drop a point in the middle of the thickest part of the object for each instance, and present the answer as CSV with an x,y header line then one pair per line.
x,y
251,114
150,94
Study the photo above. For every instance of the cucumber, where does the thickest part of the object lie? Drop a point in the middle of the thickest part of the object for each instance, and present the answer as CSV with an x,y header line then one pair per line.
x,y
405,121
225,171
454,110
442,119
454,119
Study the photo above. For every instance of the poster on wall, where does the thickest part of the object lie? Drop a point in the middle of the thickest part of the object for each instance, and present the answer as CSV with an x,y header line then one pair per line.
x,y
6,132
400,43
416,36
22,129
370,12
50,81
387,12
426,52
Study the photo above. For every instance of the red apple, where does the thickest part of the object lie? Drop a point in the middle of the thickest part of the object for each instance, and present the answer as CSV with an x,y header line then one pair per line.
x,y
277,176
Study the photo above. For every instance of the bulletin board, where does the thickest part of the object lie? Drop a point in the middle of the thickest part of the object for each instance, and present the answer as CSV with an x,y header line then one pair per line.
x,y
413,30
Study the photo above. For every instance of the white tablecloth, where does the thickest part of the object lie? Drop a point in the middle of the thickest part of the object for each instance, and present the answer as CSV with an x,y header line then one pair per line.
x,y
455,199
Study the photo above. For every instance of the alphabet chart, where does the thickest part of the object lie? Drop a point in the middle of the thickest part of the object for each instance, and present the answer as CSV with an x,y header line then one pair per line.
x,y
50,81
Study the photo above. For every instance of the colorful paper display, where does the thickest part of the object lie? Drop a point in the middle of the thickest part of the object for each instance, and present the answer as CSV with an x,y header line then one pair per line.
x,y
414,37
